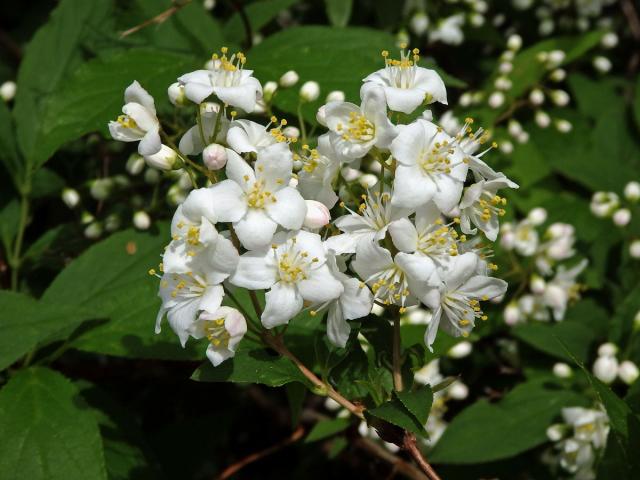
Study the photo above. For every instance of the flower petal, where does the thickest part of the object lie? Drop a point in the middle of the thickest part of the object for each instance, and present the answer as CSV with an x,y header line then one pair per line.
x,y
404,235
255,230
255,271
283,302
289,208
228,201
320,287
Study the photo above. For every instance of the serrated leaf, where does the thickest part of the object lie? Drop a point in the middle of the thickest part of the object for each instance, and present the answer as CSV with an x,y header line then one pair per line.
x,y
111,278
26,321
326,428
394,412
251,365
485,432
46,430
418,402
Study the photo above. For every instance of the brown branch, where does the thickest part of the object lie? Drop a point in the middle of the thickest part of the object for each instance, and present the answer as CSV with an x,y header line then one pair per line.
x,y
158,19
296,435
399,464
410,446
632,17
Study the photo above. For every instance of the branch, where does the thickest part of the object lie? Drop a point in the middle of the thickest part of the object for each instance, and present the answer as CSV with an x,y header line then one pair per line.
x,y
158,19
232,469
632,17
410,446
400,465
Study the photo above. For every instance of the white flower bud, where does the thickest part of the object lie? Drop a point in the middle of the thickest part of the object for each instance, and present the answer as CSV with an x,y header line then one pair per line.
x,y
563,126
609,40
506,147
608,349
458,391
502,83
165,159
135,164
101,188
496,100
112,222
418,316
350,174
460,349
141,220
151,176
214,156
556,432
537,216
606,369
546,27
310,91
601,64
209,4
368,180
176,195
476,19
70,197
514,42
514,128
560,98
268,90
419,23
622,217
562,370
543,120
317,215
555,58
538,285
523,137
291,132
536,97
289,79
335,96
86,218
558,75
176,94
321,116
8,90
93,230
636,321
507,56
628,372
542,57
465,99
505,67
634,249
512,314
632,191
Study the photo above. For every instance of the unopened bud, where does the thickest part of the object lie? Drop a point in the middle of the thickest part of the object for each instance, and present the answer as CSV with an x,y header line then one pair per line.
x,y
368,180
511,314
601,64
556,432
634,249
609,40
70,197
460,349
563,126
514,42
135,164
560,97
93,230
310,91
101,188
543,120
291,132
176,94
8,90
321,116
622,217
289,79
141,220
628,372
458,391
536,97
317,215
503,83
555,58
562,370
538,285
537,216
112,222
632,191
214,156
605,369
268,90
165,159
496,100
607,349
335,96
419,23
505,68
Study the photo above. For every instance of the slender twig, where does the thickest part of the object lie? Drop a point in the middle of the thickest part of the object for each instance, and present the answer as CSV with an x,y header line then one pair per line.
x,y
158,19
632,18
303,127
231,470
15,260
410,446
256,303
396,358
400,465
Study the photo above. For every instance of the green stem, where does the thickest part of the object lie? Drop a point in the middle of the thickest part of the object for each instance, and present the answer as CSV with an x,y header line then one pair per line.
x,y
397,362
303,128
15,259
200,127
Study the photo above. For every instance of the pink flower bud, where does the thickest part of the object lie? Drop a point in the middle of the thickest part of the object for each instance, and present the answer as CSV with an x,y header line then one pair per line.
x,y
317,215
214,156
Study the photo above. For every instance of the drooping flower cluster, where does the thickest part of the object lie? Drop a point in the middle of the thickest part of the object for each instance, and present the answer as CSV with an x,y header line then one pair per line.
x,y
552,285
262,223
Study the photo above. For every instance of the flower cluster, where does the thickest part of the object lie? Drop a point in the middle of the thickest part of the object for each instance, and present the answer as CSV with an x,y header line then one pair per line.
x,y
552,285
580,439
262,223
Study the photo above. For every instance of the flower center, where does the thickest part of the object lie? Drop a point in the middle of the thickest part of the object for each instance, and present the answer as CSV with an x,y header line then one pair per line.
x,y
489,205
434,159
227,71
439,241
464,309
294,265
127,122
374,210
358,128
185,285
257,196
390,286
216,333
401,73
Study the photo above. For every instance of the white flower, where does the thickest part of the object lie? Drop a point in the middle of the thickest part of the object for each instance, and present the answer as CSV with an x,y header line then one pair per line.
x,y
369,224
164,159
227,79
563,288
588,425
294,270
199,136
246,136
449,30
355,301
482,207
139,122
355,130
458,297
224,328
406,85
258,201
430,166
395,280
429,374
319,170
429,237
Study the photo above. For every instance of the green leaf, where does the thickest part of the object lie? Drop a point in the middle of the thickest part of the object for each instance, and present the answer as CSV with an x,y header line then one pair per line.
x,y
259,13
418,402
9,221
25,322
93,95
326,428
486,432
296,394
544,337
53,52
395,412
111,278
46,430
251,365
9,155
338,11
